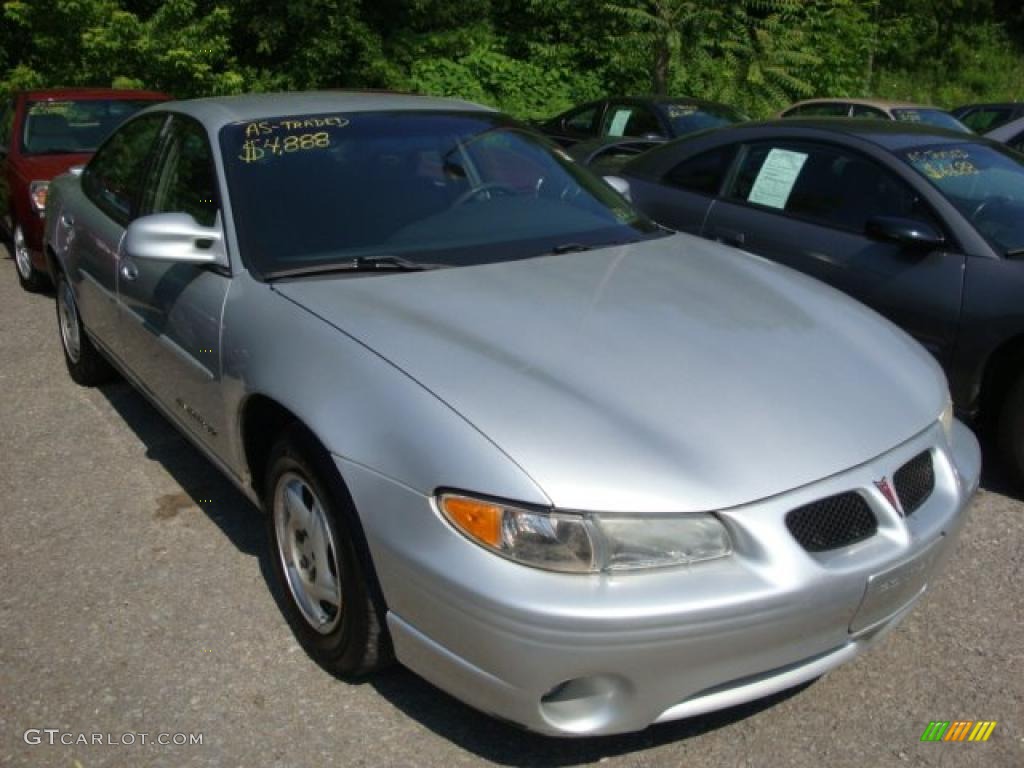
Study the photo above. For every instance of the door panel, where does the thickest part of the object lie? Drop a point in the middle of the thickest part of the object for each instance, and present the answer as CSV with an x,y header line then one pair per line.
x,y
94,242
171,312
815,201
111,184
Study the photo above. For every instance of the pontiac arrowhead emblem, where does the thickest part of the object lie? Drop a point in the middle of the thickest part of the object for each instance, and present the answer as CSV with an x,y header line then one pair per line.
x,y
889,492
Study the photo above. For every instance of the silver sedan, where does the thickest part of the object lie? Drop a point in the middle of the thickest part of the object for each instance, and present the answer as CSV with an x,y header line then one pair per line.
x,y
581,472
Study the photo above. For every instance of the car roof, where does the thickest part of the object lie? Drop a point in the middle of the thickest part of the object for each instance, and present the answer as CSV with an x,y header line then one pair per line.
x,y
880,103
218,111
890,134
45,94
990,105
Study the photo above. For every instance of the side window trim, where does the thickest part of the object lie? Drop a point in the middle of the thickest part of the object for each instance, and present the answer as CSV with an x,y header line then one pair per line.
x,y
157,162
809,145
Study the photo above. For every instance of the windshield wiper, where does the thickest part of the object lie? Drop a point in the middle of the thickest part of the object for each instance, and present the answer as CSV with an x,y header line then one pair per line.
x,y
358,264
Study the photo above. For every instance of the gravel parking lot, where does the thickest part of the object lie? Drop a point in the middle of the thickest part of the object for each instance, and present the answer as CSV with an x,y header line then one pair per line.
x,y
134,601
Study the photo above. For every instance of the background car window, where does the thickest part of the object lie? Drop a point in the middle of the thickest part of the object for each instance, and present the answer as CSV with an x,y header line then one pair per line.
x,y
983,120
114,178
6,124
689,118
862,110
703,173
1017,142
186,178
631,120
581,121
62,127
831,109
934,117
826,185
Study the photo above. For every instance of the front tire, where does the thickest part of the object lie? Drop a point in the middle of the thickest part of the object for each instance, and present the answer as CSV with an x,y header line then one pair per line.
x,y
85,363
30,278
320,560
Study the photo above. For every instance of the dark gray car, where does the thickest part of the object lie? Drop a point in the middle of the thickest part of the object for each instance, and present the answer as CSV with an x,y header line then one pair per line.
x,y
924,225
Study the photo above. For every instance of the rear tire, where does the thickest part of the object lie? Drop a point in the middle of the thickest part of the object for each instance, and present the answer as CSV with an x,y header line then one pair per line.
x,y
320,560
30,278
1011,430
85,363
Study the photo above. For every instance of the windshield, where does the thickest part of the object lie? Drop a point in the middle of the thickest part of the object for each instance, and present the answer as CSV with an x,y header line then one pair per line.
x,y
70,127
931,117
688,118
984,182
445,188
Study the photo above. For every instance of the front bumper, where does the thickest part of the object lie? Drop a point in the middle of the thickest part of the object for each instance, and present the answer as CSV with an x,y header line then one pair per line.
x,y
568,654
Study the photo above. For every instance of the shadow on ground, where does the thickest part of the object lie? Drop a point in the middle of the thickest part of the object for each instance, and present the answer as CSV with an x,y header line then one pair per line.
x,y
505,744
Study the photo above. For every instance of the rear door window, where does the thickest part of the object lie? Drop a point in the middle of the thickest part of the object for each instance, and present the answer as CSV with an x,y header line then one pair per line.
x,y
581,122
114,178
703,173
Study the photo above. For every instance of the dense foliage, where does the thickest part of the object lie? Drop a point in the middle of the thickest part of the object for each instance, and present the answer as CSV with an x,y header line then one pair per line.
x,y
529,57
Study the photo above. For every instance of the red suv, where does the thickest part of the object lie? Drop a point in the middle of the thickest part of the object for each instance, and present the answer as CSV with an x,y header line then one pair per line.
x,y
43,134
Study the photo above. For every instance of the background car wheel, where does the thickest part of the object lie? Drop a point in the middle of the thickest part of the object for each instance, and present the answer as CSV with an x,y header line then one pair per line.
x,y
321,561
31,279
85,363
1011,429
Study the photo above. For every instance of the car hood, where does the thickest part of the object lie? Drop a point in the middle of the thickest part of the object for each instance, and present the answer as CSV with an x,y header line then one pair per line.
x,y
669,375
47,167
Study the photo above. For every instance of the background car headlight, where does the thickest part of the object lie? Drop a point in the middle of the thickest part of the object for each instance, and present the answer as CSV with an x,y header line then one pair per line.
x,y
586,543
37,195
946,419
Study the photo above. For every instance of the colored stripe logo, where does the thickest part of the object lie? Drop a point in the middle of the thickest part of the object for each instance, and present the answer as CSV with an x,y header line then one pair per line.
x,y
958,730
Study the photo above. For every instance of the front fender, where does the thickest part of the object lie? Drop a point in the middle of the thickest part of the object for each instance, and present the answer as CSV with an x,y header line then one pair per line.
x,y
362,408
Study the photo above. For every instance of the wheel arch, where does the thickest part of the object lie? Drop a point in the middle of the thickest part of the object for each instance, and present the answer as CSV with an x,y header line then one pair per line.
x,y
1002,368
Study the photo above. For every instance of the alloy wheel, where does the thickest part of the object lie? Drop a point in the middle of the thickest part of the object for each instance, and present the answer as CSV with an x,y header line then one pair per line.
x,y
308,552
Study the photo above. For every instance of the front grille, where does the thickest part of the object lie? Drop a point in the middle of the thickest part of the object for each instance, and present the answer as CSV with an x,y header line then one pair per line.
x,y
831,523
915,482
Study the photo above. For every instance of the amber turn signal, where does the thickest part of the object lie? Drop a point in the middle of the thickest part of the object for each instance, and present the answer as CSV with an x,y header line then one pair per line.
x,y
478,519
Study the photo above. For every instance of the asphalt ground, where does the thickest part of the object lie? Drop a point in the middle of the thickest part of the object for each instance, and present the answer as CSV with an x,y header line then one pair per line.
x,y
134,600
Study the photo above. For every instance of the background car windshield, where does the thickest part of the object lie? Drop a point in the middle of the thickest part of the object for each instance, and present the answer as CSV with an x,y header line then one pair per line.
x,y
68,127
931,117
689,118
437,187
985,183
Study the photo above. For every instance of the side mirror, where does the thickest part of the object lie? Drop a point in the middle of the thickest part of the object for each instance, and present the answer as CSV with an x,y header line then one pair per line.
x,y
175,237
909,233
620,185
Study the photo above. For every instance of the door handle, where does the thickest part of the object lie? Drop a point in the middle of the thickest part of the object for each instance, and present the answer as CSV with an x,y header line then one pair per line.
x,y
129,271
67,220
728,237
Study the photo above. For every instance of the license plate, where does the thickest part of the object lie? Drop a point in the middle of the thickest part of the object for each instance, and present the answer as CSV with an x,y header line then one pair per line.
x,y
892,590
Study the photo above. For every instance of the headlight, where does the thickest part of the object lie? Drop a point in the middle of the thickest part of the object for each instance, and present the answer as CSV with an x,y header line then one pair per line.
x,y
586,543
946,419
37,194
